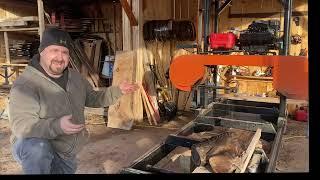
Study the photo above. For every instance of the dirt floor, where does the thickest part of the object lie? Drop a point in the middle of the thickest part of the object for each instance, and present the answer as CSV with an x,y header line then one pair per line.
x,y
110,150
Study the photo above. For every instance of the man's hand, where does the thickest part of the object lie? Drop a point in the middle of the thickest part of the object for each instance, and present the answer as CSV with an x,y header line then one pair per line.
x,y
68,127
127,88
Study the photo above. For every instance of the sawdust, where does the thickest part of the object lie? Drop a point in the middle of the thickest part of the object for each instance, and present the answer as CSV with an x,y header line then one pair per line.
x,y
294,151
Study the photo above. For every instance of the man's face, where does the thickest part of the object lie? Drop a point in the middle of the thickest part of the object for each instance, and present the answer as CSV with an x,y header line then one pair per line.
x,y
54,59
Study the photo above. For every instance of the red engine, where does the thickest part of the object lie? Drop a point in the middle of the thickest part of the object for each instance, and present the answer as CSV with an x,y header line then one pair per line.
x,y
222,40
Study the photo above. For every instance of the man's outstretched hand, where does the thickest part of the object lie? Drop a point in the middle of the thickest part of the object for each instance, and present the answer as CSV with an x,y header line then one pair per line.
x,y
127,88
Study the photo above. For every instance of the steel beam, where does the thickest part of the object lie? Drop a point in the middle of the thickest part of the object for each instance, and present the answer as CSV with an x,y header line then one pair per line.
x,y
234,123
246,109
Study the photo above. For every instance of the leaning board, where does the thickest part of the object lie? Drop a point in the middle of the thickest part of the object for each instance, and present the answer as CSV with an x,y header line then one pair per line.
x,y
127,109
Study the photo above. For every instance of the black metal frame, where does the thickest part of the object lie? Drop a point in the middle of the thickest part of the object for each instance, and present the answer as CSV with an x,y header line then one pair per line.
x,y
286,41
271,131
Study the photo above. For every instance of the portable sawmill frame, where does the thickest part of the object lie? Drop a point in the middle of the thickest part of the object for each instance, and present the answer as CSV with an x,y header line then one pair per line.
x,y
271,118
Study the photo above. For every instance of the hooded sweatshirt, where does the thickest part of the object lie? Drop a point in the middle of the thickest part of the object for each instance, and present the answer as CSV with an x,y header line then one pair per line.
x,y
37,102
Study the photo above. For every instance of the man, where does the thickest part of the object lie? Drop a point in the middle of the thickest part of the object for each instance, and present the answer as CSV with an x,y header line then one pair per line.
x,y
46,108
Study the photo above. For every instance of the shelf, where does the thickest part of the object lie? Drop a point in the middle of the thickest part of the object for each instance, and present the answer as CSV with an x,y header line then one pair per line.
x,y
18,29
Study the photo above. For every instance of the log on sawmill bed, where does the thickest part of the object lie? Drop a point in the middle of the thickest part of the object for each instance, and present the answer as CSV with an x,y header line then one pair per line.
x,y
223,151
219,150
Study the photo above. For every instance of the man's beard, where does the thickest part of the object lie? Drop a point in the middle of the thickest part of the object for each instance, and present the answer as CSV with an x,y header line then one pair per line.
x,y
56,70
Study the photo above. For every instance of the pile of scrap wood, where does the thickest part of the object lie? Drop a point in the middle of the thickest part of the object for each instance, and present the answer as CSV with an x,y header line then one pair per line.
x,y
23,49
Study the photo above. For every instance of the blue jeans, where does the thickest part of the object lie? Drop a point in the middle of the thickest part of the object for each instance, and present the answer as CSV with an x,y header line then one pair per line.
x,y
37,156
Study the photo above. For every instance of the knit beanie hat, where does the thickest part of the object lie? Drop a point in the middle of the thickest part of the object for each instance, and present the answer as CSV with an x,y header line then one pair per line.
x,y
54,36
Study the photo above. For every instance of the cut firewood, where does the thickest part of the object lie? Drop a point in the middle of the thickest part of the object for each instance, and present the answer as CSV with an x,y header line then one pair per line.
x,y
225,154
199,151
254,163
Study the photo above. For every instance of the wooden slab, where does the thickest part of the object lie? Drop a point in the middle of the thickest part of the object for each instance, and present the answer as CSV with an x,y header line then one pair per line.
x,y
123,114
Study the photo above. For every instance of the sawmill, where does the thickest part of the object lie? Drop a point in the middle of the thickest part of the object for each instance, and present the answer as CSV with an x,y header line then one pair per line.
x,y
154,87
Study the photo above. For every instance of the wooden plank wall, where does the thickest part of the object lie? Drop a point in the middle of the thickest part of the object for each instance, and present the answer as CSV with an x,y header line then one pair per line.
x,y
14,10
161,53
105,9
157,10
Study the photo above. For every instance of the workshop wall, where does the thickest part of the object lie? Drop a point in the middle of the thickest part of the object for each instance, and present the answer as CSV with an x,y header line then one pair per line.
x,y
112,16
161,53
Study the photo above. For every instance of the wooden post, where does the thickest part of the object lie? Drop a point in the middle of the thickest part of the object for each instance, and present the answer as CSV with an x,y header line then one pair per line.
x,y
249,152
127,36
174,9
125,5
6,44
139,47
188,9
41,18
114,27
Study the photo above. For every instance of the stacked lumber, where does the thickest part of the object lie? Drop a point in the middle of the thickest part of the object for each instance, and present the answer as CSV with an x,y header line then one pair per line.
x,y
26,21
23,49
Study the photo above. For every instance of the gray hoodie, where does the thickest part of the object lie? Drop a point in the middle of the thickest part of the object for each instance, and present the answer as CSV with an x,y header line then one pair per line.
x,y
36,104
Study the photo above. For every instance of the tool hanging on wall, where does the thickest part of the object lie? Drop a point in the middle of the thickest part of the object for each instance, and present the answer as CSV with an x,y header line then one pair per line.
x,y
296,39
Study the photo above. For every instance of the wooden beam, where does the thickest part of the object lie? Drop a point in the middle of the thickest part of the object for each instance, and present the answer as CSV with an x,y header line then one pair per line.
x,y
41,18
18,29
13,23
6,44
138,46
127,35
127,8
265,15
20,4
250,150
201,169
13,65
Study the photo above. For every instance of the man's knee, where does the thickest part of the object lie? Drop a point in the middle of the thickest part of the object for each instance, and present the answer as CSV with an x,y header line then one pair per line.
x,y
35,149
